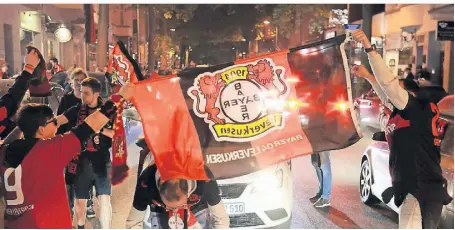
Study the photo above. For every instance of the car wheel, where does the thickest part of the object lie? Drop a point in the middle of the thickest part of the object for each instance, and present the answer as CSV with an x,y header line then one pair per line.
x,y
366,178
383,120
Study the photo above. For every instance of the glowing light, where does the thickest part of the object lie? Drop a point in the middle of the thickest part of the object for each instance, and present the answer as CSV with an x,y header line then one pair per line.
x,y
292,80
342,106
303,52
266,22
63,34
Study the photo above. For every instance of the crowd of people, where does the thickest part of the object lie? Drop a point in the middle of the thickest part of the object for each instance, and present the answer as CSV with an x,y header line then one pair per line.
x,y
62,159
76,140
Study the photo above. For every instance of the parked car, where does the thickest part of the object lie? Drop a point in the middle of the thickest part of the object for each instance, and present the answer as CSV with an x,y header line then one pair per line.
x,y
367,109
244,197
375,177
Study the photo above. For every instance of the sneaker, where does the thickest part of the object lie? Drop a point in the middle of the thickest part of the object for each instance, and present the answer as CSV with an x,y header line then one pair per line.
x,y
322,203
315,198
91,211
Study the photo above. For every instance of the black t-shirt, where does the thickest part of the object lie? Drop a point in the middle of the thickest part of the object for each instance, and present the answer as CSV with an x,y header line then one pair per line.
x,y
98,143
207,192
415,156
68,100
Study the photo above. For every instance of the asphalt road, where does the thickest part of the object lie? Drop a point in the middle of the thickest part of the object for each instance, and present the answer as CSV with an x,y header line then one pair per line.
x,y
346,211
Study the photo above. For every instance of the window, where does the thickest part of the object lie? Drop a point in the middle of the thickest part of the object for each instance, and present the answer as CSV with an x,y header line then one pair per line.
x,y
405,56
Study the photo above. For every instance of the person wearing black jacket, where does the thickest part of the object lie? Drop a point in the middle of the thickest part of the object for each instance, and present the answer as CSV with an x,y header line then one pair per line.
x,y
94,163
418,187
69,100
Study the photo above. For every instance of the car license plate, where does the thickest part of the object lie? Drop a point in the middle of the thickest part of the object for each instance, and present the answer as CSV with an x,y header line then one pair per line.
x,y
235,208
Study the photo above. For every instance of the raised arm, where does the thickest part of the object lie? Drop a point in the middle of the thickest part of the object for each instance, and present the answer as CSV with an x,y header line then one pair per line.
x,y
9,103
361,71
384,76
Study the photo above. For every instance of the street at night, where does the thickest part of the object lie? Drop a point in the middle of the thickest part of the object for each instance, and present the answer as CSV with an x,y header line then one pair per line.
x,y
217,116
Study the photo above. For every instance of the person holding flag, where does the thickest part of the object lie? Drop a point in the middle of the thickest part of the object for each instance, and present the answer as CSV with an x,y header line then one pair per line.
x,y
418,186
176,203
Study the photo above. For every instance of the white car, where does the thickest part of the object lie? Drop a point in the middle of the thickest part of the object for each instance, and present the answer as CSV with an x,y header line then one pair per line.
x,y
375,177
261,199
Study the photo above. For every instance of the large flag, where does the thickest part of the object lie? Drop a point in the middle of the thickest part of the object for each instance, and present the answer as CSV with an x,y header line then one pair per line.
x,y
233,119
121,68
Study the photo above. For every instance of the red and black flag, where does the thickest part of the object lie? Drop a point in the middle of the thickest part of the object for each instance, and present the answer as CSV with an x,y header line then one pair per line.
x,y
90,31
241,117
121,68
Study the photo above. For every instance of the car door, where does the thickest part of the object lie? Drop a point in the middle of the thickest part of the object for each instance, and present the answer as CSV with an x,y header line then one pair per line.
x,y
380,168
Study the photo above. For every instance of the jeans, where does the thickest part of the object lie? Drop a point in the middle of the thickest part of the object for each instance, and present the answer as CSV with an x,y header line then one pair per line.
x,y
324,174
415,214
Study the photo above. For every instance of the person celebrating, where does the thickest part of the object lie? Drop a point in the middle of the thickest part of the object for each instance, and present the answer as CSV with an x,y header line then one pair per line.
x,y
414,161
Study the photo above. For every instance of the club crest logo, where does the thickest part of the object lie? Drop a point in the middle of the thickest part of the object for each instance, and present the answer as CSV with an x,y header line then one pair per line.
x,y
121,71
233,101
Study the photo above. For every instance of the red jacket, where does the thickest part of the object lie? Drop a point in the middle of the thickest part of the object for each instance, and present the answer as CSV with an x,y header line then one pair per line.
x,y
35,192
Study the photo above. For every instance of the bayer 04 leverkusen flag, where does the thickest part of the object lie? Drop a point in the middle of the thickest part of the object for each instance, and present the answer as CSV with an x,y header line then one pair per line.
x,y
233,119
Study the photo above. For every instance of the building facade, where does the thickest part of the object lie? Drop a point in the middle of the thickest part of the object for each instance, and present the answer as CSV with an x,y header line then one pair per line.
x,y
32,24
408,33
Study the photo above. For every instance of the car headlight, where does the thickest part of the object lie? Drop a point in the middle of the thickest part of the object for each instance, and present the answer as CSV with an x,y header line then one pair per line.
x,y
268,180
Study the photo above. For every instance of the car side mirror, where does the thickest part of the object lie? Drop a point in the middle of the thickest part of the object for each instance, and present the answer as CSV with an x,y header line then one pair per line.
x,y
379,136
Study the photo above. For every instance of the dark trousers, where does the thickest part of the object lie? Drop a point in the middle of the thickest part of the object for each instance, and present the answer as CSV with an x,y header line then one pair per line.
x,y
71,196
431,213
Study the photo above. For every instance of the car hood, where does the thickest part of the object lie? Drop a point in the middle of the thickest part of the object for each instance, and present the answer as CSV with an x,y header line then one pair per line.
x,y
249,178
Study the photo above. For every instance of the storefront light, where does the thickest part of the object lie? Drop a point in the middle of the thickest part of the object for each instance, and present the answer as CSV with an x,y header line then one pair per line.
x,y
63,34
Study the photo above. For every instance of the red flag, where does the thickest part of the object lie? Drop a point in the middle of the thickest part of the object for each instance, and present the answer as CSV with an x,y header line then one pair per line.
x,y
233,119
90,32
121,68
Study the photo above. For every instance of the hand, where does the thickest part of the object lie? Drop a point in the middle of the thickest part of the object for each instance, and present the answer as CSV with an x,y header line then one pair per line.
x,y
32,58
108,109
361,71
359,36
127,91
